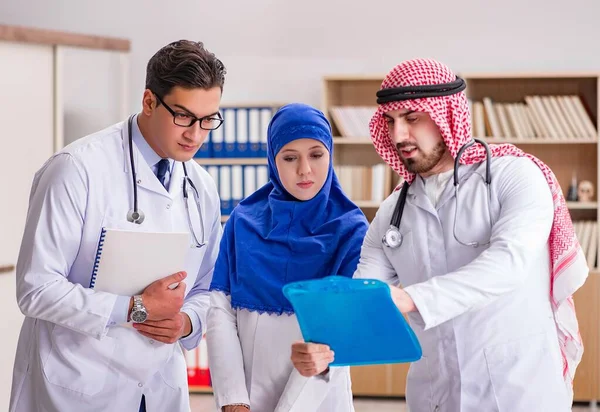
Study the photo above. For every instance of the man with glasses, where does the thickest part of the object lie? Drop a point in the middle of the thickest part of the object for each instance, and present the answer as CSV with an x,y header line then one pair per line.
x,y
74,353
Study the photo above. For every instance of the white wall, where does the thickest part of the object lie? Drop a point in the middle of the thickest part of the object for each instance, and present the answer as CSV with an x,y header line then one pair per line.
x,y
278,50
91,83
26,143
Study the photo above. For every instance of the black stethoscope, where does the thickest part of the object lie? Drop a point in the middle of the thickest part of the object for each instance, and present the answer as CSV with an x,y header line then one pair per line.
x,y
393,238
137,216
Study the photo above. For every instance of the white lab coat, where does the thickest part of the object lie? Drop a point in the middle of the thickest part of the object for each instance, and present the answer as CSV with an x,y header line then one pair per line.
x,y
68,357
249,359
484,317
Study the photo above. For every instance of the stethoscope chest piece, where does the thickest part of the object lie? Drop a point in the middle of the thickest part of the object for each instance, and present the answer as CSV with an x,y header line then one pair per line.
x,y
136,216
392,238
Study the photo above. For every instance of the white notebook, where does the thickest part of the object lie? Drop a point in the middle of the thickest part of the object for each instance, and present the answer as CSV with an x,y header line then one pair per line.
x,y
128,261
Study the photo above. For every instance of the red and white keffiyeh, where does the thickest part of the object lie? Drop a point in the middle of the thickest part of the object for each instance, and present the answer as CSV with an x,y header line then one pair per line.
x,y
451,115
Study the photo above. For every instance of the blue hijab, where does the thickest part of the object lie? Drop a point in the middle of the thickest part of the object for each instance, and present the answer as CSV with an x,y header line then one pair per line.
x,y
272,239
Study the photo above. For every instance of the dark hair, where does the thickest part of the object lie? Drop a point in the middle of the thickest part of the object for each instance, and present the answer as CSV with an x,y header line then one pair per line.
x,y
186,64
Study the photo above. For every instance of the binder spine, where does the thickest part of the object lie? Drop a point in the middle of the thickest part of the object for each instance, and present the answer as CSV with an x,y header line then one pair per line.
x,y
97,259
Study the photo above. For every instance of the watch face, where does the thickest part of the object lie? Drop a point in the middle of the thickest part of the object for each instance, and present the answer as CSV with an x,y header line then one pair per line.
x,y
139,316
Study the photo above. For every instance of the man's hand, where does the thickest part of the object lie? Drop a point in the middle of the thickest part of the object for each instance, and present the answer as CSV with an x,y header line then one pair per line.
x,y
311,359
162,302
168,330
235,408
402,300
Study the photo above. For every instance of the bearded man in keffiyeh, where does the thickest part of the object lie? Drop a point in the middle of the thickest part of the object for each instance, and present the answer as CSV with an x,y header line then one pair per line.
x,y
488,260
497,321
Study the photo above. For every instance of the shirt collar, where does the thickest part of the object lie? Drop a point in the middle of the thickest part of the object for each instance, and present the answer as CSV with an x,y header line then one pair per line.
x,y
148,153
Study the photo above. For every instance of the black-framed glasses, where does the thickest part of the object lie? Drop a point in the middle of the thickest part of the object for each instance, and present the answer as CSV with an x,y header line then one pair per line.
x,y
185,119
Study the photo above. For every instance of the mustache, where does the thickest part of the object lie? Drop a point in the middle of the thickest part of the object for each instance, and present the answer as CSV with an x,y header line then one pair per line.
x,y
402,145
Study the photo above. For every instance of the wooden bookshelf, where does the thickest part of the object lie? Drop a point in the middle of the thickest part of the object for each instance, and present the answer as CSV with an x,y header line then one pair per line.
x,y
565,155
357,152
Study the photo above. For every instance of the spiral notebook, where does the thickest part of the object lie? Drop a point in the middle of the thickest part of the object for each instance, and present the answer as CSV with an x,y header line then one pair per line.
x,y
127,261
356,318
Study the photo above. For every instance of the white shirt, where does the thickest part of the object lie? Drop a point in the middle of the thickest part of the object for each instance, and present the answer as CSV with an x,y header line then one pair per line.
x,y
72,355
435,185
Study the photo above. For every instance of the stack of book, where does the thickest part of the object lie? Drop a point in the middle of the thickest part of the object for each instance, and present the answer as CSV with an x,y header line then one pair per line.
x,y
242,134
236,182
552,117
362,183
353,121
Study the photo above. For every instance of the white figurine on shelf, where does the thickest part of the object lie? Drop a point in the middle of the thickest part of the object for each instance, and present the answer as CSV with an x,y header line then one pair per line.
x,y
585,191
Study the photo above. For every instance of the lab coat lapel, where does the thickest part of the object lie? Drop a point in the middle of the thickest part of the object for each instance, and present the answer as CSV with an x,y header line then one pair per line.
x,y
145,178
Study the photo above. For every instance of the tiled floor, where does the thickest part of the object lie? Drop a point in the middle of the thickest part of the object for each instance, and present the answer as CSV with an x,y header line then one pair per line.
x,y
205,403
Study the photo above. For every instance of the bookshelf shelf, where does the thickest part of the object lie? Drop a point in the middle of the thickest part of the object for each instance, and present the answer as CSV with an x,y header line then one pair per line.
x,y
582,205
6,268
200,389
571,103
540,140
231,161
367,204
352,141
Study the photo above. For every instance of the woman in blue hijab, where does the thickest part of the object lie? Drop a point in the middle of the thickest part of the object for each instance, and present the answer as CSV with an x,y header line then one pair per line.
x,y
299,226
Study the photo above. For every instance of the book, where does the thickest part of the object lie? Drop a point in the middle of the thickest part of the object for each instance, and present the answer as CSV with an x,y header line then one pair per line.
x,y
128,261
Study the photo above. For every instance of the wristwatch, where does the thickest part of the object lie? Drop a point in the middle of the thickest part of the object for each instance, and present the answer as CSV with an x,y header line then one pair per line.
x,y
139,314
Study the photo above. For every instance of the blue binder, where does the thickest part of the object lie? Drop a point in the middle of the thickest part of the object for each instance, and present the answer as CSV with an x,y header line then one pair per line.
x,y
356,318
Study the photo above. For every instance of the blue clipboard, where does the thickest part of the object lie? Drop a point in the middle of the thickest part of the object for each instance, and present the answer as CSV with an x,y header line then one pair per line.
x,y
356,318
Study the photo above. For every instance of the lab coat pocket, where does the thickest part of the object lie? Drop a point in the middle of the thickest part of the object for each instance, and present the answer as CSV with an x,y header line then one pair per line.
x,y
78,362
526,375
174,372
419,387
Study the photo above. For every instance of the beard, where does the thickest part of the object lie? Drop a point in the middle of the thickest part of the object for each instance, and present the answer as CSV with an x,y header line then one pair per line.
x,y
424,162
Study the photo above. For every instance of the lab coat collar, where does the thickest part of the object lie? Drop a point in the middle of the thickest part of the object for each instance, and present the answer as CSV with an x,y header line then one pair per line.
x,y
418,197
464,171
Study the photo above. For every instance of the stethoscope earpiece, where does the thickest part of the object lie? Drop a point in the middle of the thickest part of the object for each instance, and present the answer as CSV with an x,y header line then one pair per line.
x,y
136,217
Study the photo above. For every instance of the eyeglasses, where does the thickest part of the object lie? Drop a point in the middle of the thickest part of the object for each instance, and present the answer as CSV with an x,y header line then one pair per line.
x,y
184,119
